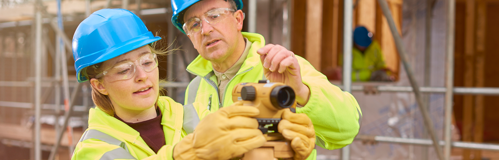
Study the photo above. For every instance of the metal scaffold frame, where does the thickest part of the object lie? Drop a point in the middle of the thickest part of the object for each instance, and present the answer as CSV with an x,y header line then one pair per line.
x,y
449,88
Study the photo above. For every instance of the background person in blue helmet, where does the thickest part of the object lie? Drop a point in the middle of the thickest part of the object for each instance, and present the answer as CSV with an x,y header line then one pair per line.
x,y
132,120
228,57
368,63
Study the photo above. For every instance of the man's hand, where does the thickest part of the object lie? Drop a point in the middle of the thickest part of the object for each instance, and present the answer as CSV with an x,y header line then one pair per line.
x,y
281,65
224,134
299,130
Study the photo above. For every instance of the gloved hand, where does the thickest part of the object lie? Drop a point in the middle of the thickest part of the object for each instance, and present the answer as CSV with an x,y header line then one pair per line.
x,y
299,130
224,134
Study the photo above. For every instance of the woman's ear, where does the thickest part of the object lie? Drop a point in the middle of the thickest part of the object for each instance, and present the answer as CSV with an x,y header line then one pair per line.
x,y
239,19
97,85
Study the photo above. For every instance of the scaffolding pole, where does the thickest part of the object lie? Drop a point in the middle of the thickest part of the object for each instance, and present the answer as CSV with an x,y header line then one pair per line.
x,y
124,4
169,66
57,88
401,51
347,59
427,62
427,142
66,119
87,8
139,8
252,16
286,24
38,78
449,76
455,90
64,72
66,42
108,4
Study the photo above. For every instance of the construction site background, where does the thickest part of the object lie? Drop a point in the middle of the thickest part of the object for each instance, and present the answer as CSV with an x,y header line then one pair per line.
x,y
312,29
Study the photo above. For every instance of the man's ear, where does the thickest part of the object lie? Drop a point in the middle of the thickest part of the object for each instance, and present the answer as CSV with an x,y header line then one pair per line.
x,y
239,19
97,85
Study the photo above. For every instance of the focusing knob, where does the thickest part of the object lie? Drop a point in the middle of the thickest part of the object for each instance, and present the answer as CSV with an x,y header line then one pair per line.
x,y
248,93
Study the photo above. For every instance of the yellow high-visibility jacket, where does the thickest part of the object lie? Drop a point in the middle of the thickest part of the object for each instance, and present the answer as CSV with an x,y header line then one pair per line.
x,y
335,114
364,64
109,138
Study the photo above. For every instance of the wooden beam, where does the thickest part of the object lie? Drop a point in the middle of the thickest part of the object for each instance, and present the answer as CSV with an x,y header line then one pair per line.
x,y
480,75
469,50
314,33
486,1
367,14
48,135
397,2
298,27
378,29
328,12
335,34
387,43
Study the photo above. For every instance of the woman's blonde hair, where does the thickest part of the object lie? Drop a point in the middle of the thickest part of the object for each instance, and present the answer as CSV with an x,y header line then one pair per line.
x,y
103,101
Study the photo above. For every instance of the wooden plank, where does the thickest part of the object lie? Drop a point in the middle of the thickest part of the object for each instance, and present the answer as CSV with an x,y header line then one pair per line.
x,y
480,75
367,14
378,29
486,1
48,135
355,13
327,31
26,11
340,29
335,34
314,33
469,50
397,2
298,27
387,43
393,60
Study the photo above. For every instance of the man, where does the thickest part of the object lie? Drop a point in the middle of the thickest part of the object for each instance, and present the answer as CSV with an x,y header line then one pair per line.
x,y
368,62
229,57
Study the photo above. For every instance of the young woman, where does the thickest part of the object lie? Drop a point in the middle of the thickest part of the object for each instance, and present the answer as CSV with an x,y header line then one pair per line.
x,y
113,50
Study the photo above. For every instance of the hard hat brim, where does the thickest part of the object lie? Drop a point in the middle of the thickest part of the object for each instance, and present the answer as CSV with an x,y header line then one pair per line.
x,y
112,52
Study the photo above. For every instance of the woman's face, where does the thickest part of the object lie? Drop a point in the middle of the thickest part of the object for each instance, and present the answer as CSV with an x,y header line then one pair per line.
x,y
134,93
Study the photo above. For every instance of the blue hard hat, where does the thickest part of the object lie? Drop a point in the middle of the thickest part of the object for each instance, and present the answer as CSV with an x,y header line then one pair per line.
x,y
178,6
105,34
362,37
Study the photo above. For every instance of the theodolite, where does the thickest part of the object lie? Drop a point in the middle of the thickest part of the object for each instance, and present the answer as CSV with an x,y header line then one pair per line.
x,y
271,99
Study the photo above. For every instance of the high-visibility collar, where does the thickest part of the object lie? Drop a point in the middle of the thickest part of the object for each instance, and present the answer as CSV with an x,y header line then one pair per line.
x,y
203,67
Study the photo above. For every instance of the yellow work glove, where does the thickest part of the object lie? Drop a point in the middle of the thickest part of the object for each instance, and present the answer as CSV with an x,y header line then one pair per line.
x,y
298,129
224,134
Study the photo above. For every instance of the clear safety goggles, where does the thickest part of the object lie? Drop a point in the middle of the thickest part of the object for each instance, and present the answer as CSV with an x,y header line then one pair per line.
x,y
126,70
212,17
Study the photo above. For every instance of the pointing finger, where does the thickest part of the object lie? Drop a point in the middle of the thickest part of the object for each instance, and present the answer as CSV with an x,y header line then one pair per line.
x,y
265,49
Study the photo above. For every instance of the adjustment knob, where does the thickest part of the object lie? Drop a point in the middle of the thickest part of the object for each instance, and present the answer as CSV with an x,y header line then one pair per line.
x,y
248,93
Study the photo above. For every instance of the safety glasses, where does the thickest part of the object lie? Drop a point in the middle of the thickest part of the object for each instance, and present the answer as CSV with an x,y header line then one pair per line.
x,y
126,70
212,17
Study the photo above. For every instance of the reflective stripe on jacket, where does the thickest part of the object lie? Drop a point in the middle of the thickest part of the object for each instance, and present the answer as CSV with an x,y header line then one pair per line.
x,y
334,113
109,138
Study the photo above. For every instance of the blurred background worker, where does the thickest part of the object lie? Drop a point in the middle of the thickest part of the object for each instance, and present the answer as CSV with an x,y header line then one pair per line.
x,y
132,120
368,63
228,56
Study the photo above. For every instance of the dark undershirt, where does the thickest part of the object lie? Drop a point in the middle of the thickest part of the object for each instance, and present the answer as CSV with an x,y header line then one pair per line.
x,y
151,131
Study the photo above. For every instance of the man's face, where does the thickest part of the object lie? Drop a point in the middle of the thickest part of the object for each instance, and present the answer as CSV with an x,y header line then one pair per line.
x,y
214,42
